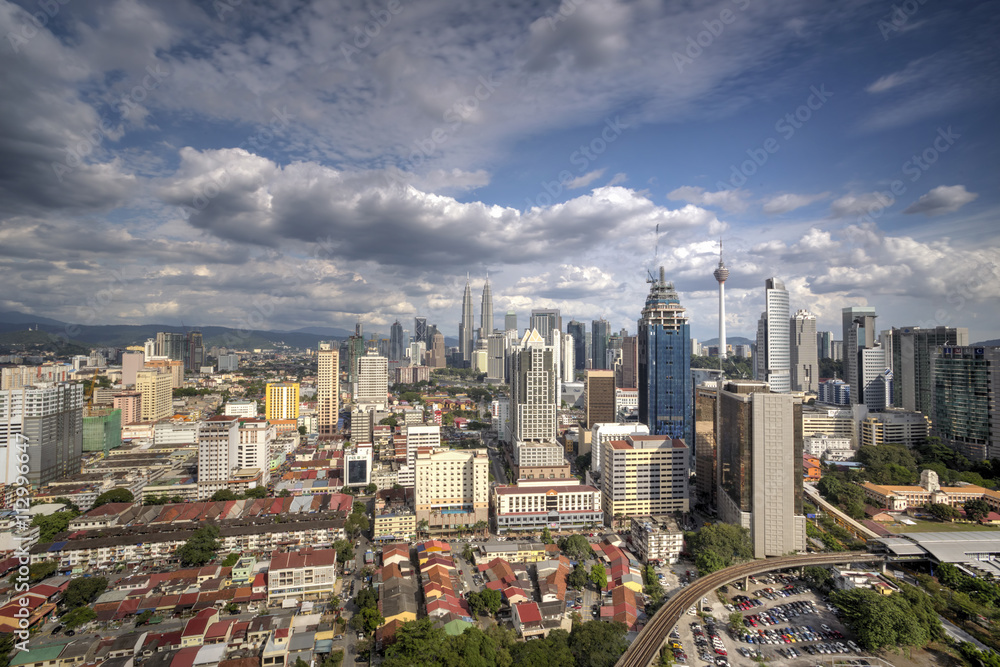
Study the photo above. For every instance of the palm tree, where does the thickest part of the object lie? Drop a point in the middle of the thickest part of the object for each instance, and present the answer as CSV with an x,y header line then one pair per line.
x,y
423,526
481,526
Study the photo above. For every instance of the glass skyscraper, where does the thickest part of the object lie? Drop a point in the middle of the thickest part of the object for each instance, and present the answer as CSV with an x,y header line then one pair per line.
x,y
664,338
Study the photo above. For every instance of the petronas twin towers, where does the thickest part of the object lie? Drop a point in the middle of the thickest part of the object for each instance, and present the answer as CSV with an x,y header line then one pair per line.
x,y
466,340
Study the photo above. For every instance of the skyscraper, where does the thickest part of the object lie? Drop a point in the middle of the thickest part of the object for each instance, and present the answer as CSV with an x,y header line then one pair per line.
x,y
355,350
171,345
157,394
510,321
824,344
772,360
397,342
911,363
578,330
600,333
533,390
599,397
865,364
195,352
664,363
486,312
373,380
804,360
966,415
327,391
545,321
628,373
721,273
51,418
281,401
420,334
759,454
567,360
465,327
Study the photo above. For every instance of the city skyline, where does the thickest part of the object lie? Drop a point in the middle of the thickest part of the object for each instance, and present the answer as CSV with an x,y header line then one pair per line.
x,y
165,156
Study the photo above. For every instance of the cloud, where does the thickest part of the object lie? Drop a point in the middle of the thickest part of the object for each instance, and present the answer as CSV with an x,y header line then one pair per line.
x,y
942,199
584,180
855,205
789,202
733,201
914,71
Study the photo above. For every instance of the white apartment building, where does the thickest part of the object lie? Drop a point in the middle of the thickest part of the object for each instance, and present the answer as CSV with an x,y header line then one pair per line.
x,y
656,538
563,504
452,487
257,436
241,409
327,391
834,448
373,380
539,455
605,432
308,574
176,433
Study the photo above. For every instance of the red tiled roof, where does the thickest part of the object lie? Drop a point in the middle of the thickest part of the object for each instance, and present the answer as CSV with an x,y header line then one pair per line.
x,y
528,612
302,558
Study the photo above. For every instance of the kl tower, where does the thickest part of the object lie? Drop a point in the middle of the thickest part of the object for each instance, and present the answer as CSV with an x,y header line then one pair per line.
x,y
721,273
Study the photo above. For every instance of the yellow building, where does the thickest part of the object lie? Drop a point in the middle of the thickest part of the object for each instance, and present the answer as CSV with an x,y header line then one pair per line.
x,y
282,401
644,474
395,526
157,398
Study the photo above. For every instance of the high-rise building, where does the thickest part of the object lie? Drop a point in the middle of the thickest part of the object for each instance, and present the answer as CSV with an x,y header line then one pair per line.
x,y
356,349
195,352
229,362
157,395
567,360
875,379
772,360
486,312
598,397
327,391
578,330
452,487
912,348
51,418
824,344
218,447
834,392
706,406
281,400
644,474
172,346
436,354
600,332
721,273
965,410
132,363
664,363
496,356
420,334
627,374
837,350
130,403
510,321
545,321
466,326
397,342
759,437
533,390
373,380
859,334
803,354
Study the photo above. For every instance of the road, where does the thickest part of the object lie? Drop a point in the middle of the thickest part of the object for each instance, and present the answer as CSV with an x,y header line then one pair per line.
x,y
959,634
646,646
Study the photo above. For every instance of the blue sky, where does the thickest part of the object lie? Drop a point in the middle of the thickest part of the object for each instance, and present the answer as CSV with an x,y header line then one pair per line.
x,y
272,165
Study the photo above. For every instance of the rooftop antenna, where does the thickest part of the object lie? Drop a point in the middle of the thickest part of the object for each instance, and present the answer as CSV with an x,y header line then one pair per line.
x,y
656,254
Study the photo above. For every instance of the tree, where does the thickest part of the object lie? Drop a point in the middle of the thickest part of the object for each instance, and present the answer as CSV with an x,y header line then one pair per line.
x,y
224,495
200,547
70,505
371,489
302,430
489,599
77,617
366,598
231,608
599,575
388,421
356,524
467,552
736,621
547,536
256,492
976,509
51,525
231,559
345,550
817,576
83,591
36,572
367,620
880,621
576,547
940,511
597,643
285,493
577,578
423,526
719,545
143,618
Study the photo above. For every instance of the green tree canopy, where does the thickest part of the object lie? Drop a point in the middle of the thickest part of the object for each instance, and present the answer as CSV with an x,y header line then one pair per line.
x,y
345,550
83,591
577,578
256,492
224,495
200,548
719,545
880,621
976,509
51,525
231,560
78,616
941,512
599,575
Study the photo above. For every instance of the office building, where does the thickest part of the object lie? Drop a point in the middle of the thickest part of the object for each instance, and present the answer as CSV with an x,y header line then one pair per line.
x,y
228,362
172,346
452,487
965,381
420,334
466,325
510,321
721,273
373,380
803,353
822,445
436,356
824,344
705,444
486,311
894,426
533,390
157,395
600,334
327,391
132,363
627,373
772,360
102,430
281,401
911,362
664,363
247,409
598,397
256,438
195,352
567,360
545,321
834,392
759,471
833,422
130,403
173,368
644,474
496,357
559,504
51,418
604,433
859,336
538,455
578,330
358,466
875,378
397,342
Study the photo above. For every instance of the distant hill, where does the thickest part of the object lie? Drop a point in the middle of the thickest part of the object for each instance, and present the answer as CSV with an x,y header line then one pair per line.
x,y
987,343
11,317
730,340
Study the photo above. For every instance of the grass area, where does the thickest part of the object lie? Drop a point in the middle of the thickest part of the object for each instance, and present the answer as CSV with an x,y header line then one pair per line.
x,y
937,527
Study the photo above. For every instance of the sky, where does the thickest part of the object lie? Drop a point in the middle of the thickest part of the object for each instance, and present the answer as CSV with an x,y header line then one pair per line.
x,y
279,165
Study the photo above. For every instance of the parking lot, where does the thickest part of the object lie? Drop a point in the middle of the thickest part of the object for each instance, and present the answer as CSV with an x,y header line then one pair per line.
x,y
788,623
